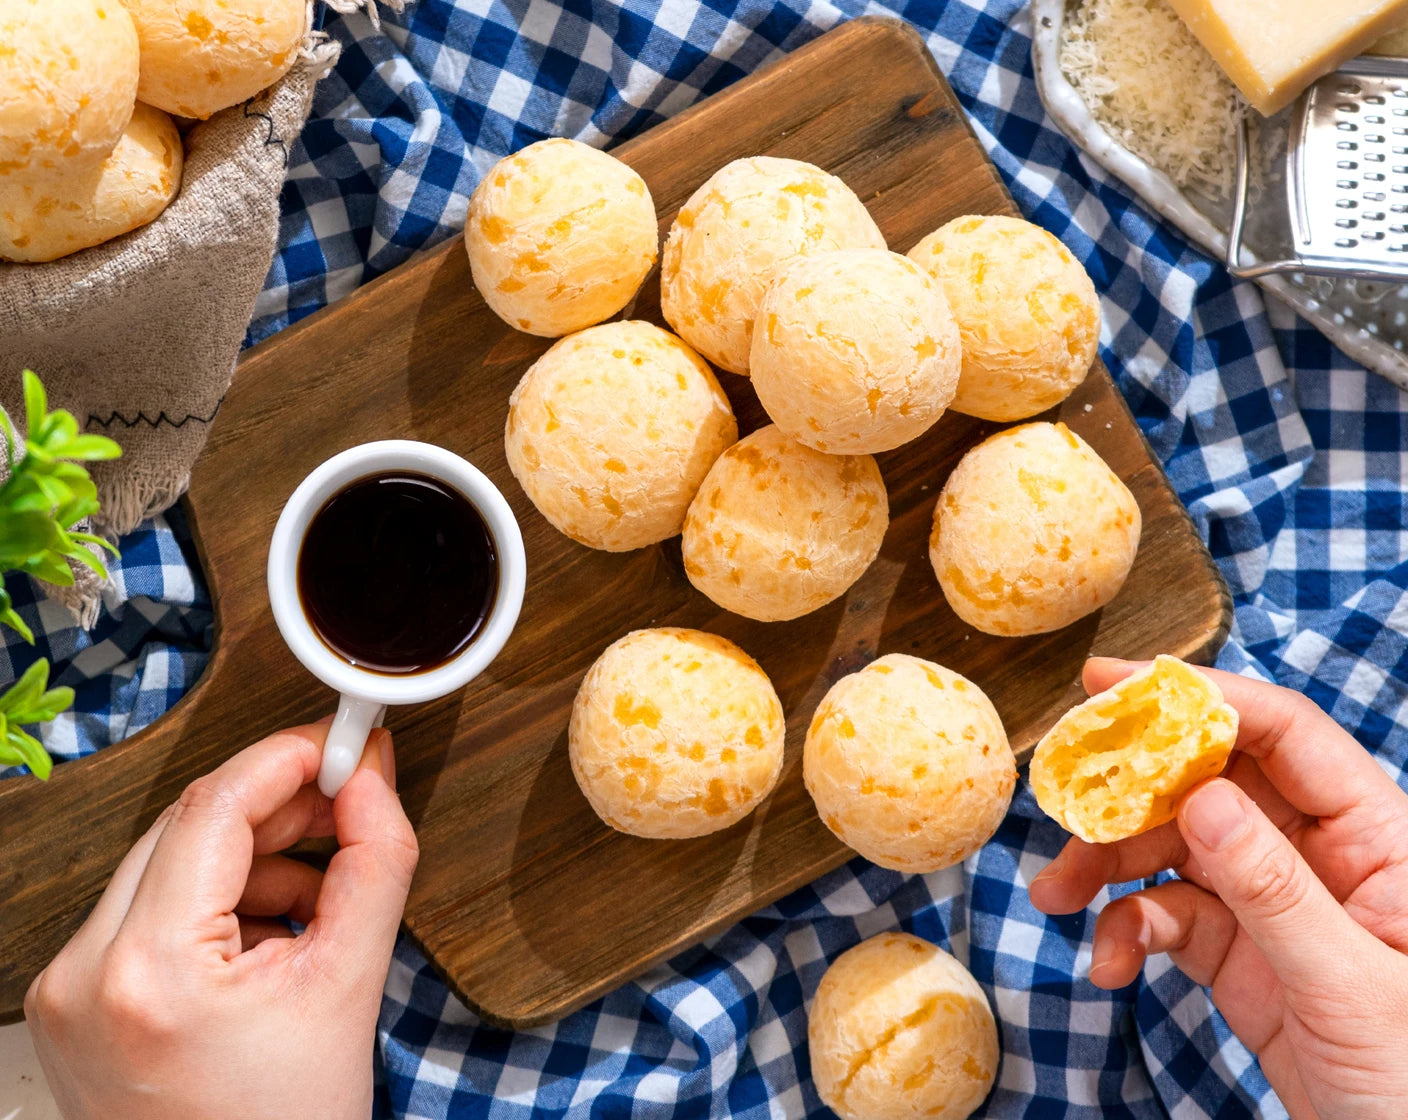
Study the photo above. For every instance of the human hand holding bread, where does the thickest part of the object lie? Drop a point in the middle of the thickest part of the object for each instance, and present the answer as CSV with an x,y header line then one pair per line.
x,y
1293,866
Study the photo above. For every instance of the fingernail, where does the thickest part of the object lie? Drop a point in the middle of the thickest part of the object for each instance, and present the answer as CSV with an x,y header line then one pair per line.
x,y
1052,869
372,757
388,759
1102,956
1215,815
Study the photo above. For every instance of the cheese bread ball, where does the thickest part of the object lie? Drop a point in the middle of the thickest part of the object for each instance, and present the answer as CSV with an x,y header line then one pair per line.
x,y
675,733
560,236
68,80
778,530
1026,310
1032,531
855,350
611,432
899,1030
44,219
201,56
1118,764
908,764
750,215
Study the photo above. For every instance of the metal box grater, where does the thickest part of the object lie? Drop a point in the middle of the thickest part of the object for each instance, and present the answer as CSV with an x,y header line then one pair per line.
x,y
1345,176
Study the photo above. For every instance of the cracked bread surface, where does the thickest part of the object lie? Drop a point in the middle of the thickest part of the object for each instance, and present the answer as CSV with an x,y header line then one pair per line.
x,y
201,56
1032,531
45,219
1118,764
899,1029
611,432
778,530
854,351
675,733
1027,312
68,81
909,764
560,236
747,217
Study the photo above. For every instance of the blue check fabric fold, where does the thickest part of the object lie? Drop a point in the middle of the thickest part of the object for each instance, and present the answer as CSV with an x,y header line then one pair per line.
x,y
1290,458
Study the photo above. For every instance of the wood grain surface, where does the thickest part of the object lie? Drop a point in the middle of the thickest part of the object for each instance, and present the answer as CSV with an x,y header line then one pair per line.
x,y
524,901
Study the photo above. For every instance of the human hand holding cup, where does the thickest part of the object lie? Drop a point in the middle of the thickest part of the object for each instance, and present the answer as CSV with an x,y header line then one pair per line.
x,y
378,582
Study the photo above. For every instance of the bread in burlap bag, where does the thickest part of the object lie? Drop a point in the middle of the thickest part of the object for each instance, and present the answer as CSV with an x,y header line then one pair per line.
x,y
138,337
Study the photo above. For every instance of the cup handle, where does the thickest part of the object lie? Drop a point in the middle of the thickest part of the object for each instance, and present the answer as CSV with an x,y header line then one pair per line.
x,y
347,738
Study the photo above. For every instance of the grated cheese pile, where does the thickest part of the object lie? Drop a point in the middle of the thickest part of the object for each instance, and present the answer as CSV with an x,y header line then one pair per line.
x,y
1155,89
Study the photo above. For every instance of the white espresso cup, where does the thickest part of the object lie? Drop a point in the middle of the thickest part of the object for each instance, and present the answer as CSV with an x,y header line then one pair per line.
x,y
365,694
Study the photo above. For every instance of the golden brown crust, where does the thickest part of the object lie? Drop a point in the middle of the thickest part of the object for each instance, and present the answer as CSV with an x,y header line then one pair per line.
x,y
675,733
201,56
750,215
1032,531
1026,309
50,218
560,236
611,432
855,351
908,763
68,82
899,1030
778,530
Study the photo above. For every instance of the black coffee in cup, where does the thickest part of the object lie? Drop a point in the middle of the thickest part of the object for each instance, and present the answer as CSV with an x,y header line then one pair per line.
x,y
397,573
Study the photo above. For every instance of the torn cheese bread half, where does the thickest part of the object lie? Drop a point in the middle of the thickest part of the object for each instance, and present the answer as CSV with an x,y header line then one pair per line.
x,y
1118,764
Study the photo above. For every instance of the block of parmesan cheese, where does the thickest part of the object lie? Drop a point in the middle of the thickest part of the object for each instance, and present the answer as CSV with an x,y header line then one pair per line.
x,y
1394,43
1274,49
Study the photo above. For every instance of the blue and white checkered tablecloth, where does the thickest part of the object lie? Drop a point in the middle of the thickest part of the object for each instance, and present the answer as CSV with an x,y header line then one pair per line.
x,y
1291,460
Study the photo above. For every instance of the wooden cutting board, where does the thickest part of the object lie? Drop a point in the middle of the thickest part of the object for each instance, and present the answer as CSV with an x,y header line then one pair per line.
x,y
525,902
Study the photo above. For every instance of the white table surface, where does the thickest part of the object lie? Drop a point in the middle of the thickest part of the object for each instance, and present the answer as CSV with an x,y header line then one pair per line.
x,y
24,1095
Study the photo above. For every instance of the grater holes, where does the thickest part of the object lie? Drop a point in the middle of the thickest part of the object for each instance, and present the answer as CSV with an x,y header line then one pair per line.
x,y
1372,196
1347,146
1373,176
1347,184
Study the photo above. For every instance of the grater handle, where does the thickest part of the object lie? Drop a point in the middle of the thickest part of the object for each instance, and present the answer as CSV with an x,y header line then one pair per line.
x,y
1233,257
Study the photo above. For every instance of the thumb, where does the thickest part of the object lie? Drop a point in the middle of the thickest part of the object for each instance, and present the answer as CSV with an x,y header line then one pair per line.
x,y
1269,888
358,910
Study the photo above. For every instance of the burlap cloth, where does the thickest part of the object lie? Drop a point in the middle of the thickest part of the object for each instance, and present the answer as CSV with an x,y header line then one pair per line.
x,y
138,338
